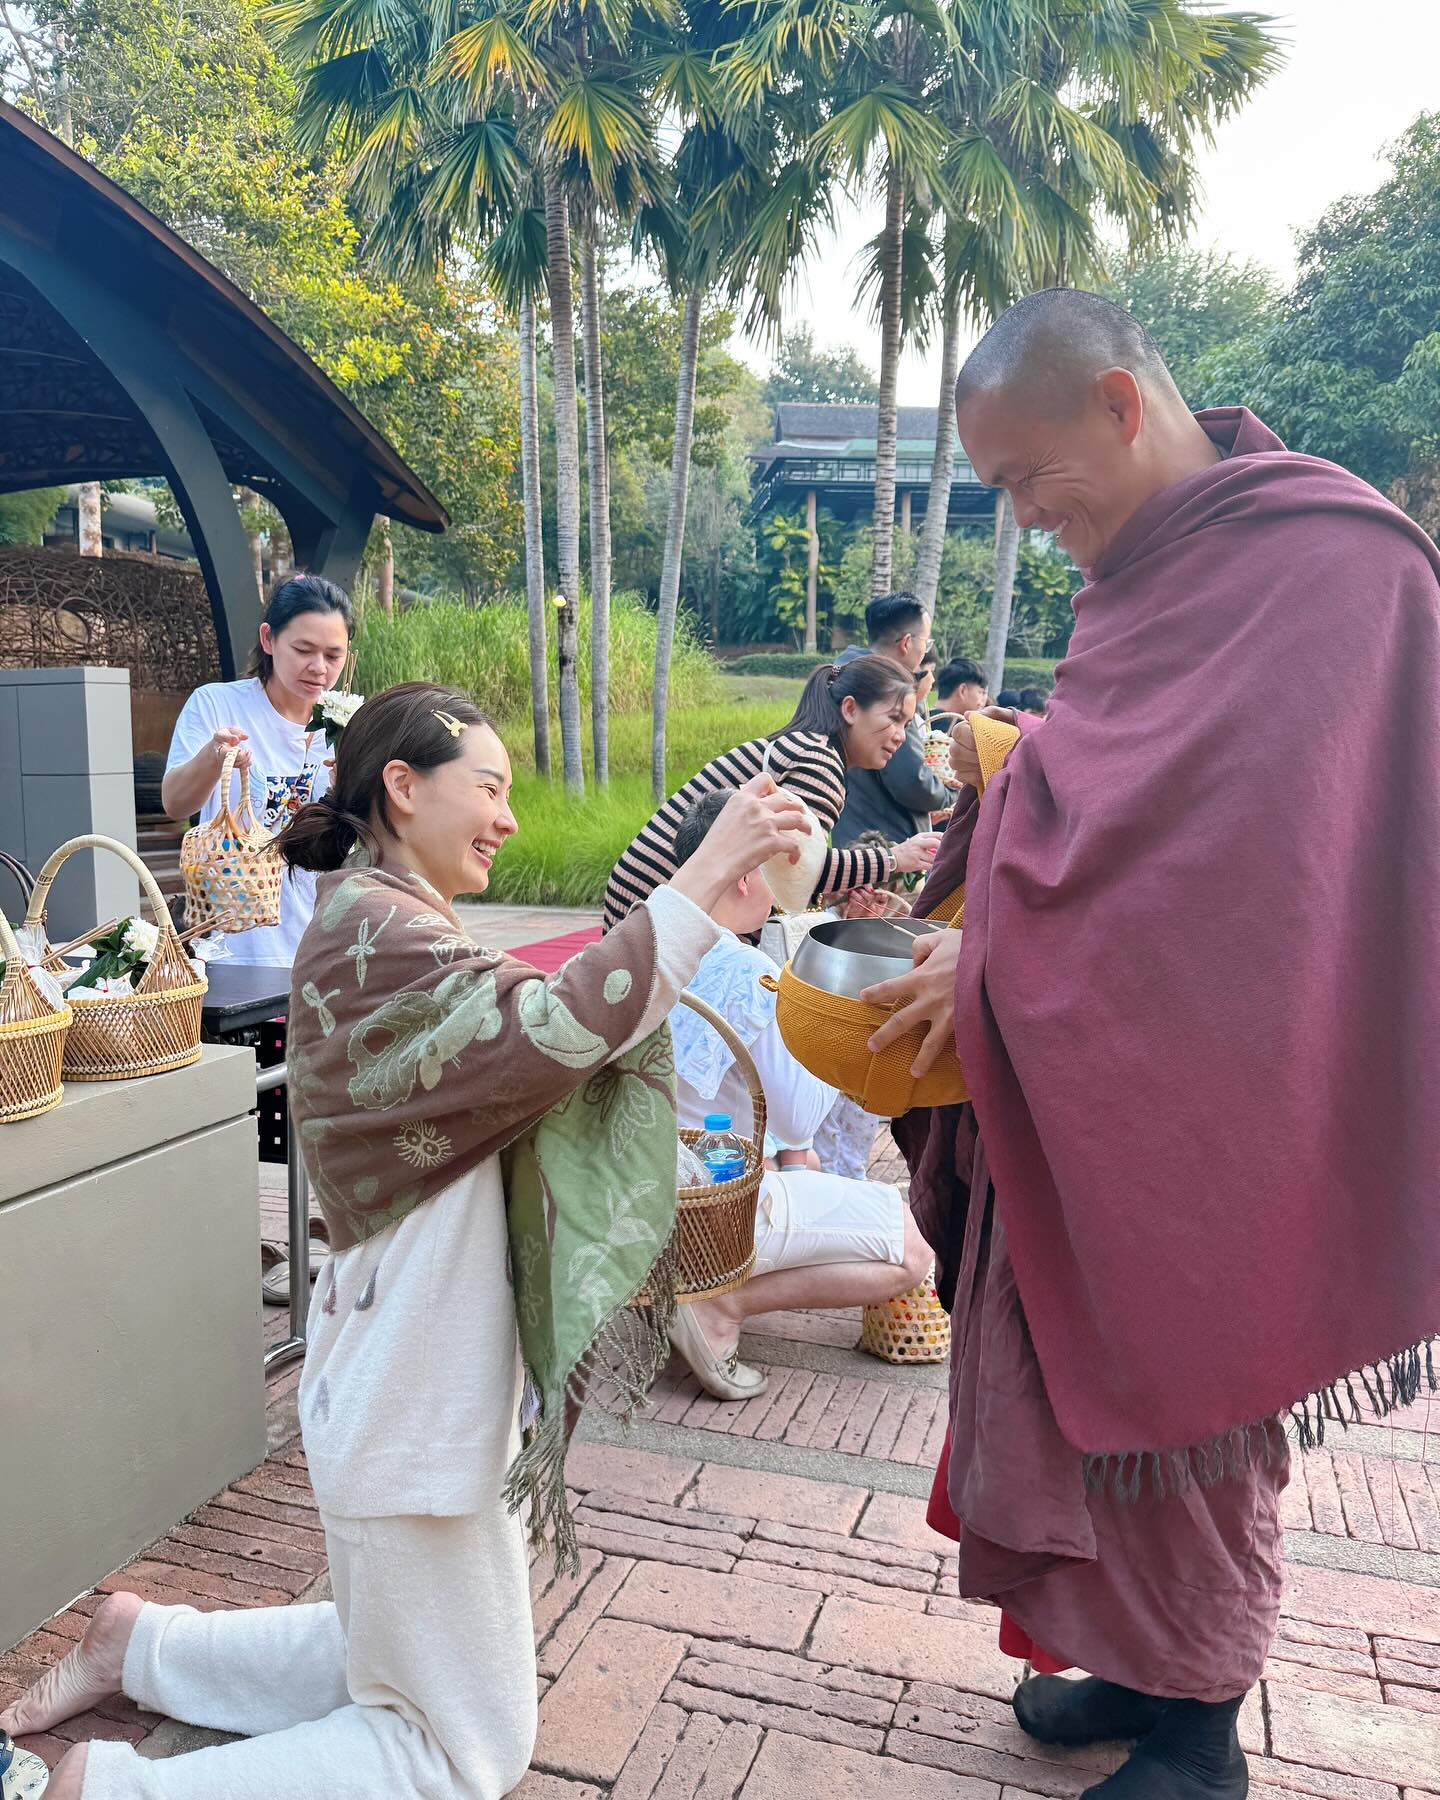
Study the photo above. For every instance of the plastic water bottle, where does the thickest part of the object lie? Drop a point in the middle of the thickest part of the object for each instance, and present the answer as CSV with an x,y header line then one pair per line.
x,y
721,1151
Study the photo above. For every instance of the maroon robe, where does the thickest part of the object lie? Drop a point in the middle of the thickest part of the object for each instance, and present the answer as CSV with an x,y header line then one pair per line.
x,y
1198,1001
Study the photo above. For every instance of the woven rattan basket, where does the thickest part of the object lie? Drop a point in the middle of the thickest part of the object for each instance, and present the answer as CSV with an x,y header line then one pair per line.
x,y
150,1031
715,1224
912,1328
230,864
32,1038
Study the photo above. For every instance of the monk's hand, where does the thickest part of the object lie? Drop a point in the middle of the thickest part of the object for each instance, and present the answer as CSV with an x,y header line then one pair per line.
x,y
924,1000
964,757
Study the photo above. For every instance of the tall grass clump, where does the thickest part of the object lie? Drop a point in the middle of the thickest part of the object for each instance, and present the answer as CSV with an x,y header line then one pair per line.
x,y
486,651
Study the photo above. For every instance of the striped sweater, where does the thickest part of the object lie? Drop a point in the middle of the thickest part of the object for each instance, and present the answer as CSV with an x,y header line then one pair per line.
x,y
804,762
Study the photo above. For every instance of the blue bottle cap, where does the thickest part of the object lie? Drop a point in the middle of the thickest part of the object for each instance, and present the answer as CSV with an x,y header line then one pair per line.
x,y
717,1121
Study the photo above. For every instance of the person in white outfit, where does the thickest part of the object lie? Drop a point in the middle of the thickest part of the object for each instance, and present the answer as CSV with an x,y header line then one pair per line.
x,y
301,654
820,1239
419,1679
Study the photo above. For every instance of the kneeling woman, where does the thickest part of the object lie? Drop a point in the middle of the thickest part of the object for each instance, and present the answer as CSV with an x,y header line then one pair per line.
x,y
416,1060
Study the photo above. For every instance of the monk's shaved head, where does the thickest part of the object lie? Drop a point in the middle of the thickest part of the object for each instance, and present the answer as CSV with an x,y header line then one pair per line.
x,y
1047,349
1066,403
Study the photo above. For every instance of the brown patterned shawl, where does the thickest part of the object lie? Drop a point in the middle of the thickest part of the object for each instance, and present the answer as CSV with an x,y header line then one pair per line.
x,y
414,1056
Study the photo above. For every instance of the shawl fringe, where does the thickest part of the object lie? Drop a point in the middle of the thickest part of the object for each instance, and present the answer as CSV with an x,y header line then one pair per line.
x,y
1389,1385
627,1353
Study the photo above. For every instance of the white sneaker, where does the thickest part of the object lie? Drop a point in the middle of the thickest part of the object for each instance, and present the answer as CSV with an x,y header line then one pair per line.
x,y
726,1377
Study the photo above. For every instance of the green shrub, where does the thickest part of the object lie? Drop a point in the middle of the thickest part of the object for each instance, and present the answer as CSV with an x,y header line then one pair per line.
x,y
1029,671
794,663
486,651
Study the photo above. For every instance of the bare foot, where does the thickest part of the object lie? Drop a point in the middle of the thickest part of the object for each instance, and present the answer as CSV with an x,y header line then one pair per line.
x,y
68,1776
90,1673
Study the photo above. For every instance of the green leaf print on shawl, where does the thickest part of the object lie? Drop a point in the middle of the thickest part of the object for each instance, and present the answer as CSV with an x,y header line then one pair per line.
x,y
591,1203
430,1057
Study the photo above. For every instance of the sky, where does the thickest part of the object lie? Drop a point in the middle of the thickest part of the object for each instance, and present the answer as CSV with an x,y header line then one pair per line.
x,y
1355,75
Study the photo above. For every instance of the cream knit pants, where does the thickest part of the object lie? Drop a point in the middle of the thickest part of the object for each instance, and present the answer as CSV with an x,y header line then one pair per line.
x,y
418,1680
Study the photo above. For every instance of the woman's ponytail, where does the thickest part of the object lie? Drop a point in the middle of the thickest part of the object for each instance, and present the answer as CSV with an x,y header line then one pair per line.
x,y
865,679
321,836
420,723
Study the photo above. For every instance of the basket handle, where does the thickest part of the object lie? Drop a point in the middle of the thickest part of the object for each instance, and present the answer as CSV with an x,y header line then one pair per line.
x,y
8,945
35,911
743,1061
233,819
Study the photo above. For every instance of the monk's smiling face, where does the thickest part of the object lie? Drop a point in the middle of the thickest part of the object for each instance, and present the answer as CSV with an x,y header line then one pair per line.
x,y
1073,463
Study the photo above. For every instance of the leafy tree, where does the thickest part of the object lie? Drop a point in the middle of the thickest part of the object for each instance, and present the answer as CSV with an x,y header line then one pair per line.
x,y
784,563
190,110
24,515
803,371
642,341
1348,368
1193,302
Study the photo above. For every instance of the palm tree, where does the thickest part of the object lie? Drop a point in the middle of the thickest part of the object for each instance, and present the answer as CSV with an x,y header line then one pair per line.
x,y
515,262
446,125
942,466
567,477
880,65
597,470
743,211
1027,122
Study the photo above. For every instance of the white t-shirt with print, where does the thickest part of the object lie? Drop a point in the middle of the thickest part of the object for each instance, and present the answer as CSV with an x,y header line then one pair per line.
x,y
287,771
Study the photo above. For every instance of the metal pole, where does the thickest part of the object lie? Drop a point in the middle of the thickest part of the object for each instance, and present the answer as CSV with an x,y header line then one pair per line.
x,y
292,1349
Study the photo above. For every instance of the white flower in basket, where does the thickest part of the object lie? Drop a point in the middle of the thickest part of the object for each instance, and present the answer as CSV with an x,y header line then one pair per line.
x,y
333,711
141,937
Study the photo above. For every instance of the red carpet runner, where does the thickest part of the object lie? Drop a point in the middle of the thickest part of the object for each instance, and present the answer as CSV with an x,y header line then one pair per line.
x,y
547,954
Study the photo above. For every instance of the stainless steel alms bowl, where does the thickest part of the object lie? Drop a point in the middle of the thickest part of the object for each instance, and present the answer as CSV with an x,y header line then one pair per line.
x,y
846,956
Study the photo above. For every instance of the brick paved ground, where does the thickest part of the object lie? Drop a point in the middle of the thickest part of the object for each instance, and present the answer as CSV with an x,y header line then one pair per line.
x,y
763,1613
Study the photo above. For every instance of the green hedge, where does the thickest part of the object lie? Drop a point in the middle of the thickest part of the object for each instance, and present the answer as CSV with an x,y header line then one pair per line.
x,y
794,663
1023,672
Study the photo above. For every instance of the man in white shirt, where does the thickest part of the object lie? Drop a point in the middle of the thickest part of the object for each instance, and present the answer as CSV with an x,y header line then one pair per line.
x,y
820,1240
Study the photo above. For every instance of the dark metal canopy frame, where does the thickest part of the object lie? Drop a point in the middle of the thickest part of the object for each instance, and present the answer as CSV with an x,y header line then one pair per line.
x,y
124,353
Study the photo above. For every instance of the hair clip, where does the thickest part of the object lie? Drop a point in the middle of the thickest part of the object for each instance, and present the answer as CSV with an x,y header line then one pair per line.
x,y
451,723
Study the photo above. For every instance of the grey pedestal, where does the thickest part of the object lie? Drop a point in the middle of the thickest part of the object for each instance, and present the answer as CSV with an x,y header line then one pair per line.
x,y
66,768
131,1386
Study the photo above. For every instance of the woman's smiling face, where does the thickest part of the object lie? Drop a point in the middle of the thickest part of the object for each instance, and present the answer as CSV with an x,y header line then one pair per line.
x,y
874,733
458,814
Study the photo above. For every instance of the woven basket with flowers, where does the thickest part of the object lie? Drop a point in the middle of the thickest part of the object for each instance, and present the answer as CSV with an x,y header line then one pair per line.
x,y
137,1006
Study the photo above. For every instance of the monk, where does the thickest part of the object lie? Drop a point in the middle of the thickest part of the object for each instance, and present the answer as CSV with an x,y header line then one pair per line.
x,y
1197,999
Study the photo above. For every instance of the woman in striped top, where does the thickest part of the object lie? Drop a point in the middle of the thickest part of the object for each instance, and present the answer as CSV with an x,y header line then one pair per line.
x,y
850,717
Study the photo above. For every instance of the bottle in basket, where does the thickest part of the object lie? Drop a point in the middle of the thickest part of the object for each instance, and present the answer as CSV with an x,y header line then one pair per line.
x,y
721,1151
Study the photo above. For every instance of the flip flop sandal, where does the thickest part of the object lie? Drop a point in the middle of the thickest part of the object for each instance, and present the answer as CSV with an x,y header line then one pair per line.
x,y
275,1265
23,1774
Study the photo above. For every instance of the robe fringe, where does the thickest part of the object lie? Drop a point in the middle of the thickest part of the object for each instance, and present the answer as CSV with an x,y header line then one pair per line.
x,y
627,1353
1388,1385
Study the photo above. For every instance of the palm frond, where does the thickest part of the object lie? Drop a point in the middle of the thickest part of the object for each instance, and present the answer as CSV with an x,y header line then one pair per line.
x,y
919,284
885,118
600,129
514,258
487,54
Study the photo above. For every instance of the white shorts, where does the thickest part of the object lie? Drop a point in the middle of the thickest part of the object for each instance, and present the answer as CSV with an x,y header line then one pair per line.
x,y
805,1219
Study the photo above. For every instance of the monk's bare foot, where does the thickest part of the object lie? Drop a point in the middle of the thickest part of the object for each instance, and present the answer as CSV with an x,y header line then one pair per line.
x,y
90,1673
68,1776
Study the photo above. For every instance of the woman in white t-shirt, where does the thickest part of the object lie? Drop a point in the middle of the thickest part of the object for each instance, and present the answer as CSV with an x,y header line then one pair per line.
x,y
304,643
